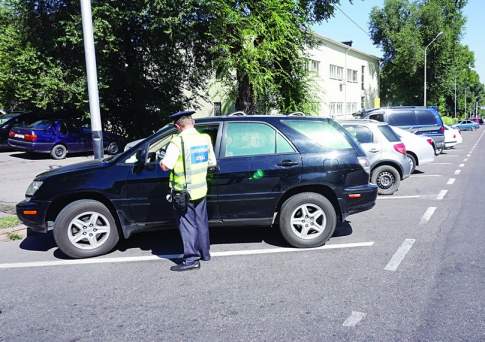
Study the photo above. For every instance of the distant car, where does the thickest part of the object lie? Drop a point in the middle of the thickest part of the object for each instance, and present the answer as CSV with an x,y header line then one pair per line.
x,y
59,137
466,125
415,119
419,149
385,151
477,120
9,120
452,137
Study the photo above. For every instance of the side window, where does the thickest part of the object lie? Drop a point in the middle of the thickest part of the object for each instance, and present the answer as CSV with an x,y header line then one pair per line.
x,y
361,133
377,117
402,118
282,145
211,130
249,139
425,117
62,127
322,132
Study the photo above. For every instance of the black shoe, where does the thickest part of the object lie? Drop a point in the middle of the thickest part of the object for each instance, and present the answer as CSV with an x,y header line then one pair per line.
x,y
186,267
207,258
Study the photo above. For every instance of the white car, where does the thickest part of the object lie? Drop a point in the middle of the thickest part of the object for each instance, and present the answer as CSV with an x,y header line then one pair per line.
x,y
419,148
452,137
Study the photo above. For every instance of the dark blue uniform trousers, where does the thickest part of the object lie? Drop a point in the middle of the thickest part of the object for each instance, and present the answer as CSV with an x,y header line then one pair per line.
x,y
194,230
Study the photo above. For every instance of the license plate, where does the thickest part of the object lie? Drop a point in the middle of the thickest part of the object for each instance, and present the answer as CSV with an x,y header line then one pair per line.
x,y
21,136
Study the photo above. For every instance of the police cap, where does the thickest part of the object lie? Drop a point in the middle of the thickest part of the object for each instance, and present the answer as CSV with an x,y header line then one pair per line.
x,y
175,116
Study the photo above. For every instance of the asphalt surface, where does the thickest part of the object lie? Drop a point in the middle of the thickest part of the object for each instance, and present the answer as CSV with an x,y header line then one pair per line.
x,y
420,277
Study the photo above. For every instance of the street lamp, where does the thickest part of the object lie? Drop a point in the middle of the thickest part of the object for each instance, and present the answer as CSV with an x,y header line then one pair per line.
x,y
425,52
96,128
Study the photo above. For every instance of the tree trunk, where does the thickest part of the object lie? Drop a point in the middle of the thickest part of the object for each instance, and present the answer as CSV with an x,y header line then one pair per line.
x,y
244,98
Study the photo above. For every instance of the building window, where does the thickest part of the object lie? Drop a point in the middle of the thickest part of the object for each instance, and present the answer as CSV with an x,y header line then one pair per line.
x,y
362,79
336,72
336,107
352,75
217,108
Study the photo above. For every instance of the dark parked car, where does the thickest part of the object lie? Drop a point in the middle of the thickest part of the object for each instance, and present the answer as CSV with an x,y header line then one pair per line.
x,y
59,137
419,120
12,119
304,173
477,120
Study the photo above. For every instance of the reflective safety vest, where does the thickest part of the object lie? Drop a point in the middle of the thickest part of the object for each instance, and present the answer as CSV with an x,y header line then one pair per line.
x,y
196,152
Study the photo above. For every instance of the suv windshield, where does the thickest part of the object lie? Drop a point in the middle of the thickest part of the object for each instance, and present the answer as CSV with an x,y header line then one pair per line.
x,y
323,132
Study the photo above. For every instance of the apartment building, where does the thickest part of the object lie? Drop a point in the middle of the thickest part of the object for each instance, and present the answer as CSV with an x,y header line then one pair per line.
x,y
345,80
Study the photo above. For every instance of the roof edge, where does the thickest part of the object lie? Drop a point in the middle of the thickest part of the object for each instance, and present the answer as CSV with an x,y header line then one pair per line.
x,y
334,42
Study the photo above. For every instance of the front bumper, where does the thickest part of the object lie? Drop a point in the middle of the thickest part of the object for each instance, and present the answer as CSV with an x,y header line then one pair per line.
x,y
38,221
357,199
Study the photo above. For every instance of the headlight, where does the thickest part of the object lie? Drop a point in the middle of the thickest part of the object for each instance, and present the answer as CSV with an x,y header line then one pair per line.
x,y
33,187
364,162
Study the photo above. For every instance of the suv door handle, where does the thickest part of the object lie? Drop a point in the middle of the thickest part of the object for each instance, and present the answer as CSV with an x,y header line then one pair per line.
x,y
288,163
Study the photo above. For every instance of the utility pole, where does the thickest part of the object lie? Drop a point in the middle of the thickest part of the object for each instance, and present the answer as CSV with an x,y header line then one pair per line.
x,y
89,53
425,57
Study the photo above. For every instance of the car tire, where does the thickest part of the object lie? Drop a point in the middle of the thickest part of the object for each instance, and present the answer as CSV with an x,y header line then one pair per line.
x,y
307,220
85,228
438,151
413,161
113,148
387,179
59,152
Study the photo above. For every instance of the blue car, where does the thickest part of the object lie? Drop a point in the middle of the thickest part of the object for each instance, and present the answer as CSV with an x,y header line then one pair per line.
x,y
58,137
466,125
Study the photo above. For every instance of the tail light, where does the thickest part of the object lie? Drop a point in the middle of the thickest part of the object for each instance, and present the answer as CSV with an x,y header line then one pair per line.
x,y
442,129
401,148
11,134
430,141
30,137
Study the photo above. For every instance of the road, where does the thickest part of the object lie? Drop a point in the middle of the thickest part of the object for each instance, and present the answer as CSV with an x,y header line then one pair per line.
x,y
410,269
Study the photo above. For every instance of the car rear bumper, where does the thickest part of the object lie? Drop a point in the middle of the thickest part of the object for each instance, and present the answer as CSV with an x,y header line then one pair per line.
x,y
33,214
30,146
357,199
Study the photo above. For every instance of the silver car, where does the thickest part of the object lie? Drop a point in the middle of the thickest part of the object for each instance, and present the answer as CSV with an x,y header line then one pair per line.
x,y
385,151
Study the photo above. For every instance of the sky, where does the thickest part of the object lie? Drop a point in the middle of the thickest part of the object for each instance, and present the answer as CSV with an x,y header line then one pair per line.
x,y
340,28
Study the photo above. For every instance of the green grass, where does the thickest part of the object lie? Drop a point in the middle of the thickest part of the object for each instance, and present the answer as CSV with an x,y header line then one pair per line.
x,y
9,222
14,236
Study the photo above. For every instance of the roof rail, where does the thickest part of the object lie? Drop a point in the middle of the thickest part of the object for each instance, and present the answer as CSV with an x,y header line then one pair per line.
x,y
296,114
237,113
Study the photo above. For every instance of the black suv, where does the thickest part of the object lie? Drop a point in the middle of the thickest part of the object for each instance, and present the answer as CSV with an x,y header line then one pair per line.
x,y
303,173
416,119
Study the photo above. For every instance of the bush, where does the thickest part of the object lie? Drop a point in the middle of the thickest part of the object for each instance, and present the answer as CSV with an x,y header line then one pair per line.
x,y
448,120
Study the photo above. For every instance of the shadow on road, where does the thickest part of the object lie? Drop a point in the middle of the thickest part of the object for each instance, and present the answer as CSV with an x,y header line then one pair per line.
x,y
44,156
169,242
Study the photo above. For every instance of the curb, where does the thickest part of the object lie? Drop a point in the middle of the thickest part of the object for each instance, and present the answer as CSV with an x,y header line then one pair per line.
x,y
20,230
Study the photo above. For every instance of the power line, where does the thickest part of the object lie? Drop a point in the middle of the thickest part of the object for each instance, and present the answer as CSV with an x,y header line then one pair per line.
x,y
353,21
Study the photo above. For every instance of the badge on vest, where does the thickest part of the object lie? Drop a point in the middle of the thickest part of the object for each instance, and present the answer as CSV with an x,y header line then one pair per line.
x,y
199,154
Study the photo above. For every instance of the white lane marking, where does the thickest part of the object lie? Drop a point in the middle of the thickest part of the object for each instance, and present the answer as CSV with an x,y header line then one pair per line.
x,y
176,256
427,215
441,195
465,160
420,176
461,165
451,181
441,163
398,257
457,172
354,318
468,155
397,197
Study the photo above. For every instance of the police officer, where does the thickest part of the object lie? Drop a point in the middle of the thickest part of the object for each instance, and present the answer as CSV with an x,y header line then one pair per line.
x,y
188,156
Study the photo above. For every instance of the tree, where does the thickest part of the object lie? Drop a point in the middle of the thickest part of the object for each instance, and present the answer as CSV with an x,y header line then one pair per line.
x,y
402,28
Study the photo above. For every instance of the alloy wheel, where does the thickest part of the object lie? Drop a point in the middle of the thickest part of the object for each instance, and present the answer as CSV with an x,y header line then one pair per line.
x,y
308,221
89,230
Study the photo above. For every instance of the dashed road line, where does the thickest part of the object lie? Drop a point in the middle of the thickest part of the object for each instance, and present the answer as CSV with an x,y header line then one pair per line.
x,y
451,181
441,163
461,165
457,172
398,257
427,215
465,160
397,197
441,195
354,318
104,260
423,176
